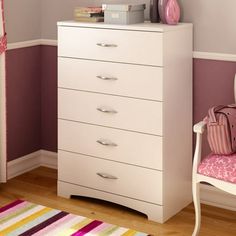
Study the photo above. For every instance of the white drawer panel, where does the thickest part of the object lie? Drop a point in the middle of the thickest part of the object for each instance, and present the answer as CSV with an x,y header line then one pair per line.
x,y
131,114
113,144
136,47
132,181
131,80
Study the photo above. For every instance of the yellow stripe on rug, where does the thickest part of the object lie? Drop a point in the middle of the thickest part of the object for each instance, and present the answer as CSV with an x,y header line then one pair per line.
x,y
81,224
75,227
14,214
130,232
25,221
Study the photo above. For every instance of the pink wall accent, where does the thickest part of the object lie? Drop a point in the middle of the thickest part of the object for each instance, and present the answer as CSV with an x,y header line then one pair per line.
x,y
49,98
32,96
213,83
23,70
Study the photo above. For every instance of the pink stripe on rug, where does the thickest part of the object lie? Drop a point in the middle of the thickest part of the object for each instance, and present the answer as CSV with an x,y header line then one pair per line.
x,y
53,226
10,205
14,208
87,228
44,224
99,229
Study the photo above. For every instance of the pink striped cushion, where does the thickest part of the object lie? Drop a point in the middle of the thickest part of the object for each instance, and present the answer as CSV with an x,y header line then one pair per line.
x,y
219,166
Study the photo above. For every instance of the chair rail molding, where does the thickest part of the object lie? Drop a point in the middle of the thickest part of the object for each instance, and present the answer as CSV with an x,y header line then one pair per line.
x,y
31,43
214,56
53,42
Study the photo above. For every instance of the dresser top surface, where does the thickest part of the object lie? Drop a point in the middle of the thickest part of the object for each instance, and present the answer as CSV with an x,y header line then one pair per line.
x,y
146,26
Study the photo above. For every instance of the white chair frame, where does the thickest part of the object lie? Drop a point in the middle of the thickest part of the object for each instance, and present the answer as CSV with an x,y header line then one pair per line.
x,y
198,178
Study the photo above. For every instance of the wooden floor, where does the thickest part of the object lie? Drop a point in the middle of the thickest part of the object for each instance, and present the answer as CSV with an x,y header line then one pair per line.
x,y
39,186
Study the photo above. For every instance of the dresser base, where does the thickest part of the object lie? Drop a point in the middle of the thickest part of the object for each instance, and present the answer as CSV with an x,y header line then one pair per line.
x,y
153,212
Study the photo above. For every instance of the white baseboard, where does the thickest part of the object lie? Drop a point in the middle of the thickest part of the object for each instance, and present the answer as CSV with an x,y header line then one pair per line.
x,y
23,164
30,162
48,159
215,197
209,195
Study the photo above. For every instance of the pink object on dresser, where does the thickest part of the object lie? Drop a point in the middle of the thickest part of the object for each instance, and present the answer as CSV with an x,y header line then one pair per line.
x,y
161,9
219,166
172,12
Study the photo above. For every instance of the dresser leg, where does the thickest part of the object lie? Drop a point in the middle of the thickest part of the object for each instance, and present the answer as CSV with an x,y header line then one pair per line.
x,y
154,214
62,190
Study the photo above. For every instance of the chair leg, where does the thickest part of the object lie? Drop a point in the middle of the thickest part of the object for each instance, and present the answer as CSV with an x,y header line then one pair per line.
x,y
197,206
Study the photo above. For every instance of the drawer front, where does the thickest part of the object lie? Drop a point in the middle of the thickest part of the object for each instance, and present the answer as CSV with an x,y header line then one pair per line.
x,y
112,111
115,45
126,180
113,144
111,78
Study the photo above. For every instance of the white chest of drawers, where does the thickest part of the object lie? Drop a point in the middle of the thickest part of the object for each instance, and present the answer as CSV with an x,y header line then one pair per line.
x,y
125,115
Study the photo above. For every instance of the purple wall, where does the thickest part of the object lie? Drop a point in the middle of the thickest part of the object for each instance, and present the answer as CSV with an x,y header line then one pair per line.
x,y
23,70
31,89
213,83
32,96
49,98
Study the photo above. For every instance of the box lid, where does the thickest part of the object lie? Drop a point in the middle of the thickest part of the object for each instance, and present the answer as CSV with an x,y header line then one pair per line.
x,y
123,7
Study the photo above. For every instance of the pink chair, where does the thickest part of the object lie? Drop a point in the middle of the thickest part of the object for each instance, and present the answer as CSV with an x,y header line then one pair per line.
x,y
217,170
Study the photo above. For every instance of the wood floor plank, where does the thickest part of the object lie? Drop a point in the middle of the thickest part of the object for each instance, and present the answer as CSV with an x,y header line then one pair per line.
x,y
39,186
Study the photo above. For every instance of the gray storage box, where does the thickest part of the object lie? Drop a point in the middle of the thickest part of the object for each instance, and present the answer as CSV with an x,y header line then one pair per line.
x,y
123,14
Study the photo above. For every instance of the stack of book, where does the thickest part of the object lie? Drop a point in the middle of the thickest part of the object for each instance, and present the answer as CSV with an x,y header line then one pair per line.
x,y
89,14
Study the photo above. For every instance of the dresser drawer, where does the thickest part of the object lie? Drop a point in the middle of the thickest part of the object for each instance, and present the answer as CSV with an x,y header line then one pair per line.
x,y
113,144
131,181
111,78
112,111
126,46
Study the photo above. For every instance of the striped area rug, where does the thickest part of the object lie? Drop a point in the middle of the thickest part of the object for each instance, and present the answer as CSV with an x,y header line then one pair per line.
x,y
25,218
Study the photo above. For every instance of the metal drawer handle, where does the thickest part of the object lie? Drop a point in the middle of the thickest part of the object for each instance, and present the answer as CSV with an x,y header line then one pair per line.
x,y
106,78
107,45
106,176
106,142
107,110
